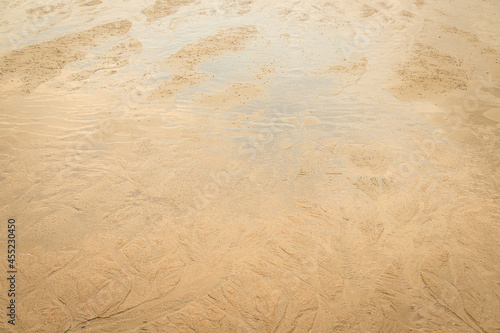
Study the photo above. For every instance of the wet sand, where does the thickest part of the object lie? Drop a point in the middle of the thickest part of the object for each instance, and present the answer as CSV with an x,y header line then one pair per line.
x,y
247,166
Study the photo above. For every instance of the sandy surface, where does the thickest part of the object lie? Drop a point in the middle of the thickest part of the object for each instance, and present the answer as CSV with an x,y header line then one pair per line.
x,y
251,166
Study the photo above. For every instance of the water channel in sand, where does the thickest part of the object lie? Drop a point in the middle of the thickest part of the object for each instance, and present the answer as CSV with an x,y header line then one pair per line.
x,y
251,166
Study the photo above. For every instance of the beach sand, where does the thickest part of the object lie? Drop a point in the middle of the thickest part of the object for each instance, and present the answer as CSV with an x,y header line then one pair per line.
x,y
251,166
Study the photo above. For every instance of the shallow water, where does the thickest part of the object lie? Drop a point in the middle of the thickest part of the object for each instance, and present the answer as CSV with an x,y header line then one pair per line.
x,y
247,166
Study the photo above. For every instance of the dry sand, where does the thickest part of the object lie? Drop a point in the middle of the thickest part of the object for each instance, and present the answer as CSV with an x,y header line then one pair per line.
x,y
251,166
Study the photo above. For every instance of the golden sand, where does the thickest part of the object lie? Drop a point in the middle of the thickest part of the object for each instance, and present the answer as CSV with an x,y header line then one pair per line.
x,y
251,166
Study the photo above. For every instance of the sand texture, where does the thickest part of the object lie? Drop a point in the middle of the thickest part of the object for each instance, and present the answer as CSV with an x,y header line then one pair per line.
x,y
251,166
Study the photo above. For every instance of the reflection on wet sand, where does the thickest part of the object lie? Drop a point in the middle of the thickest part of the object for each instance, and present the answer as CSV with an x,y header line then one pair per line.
x,y
250,167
